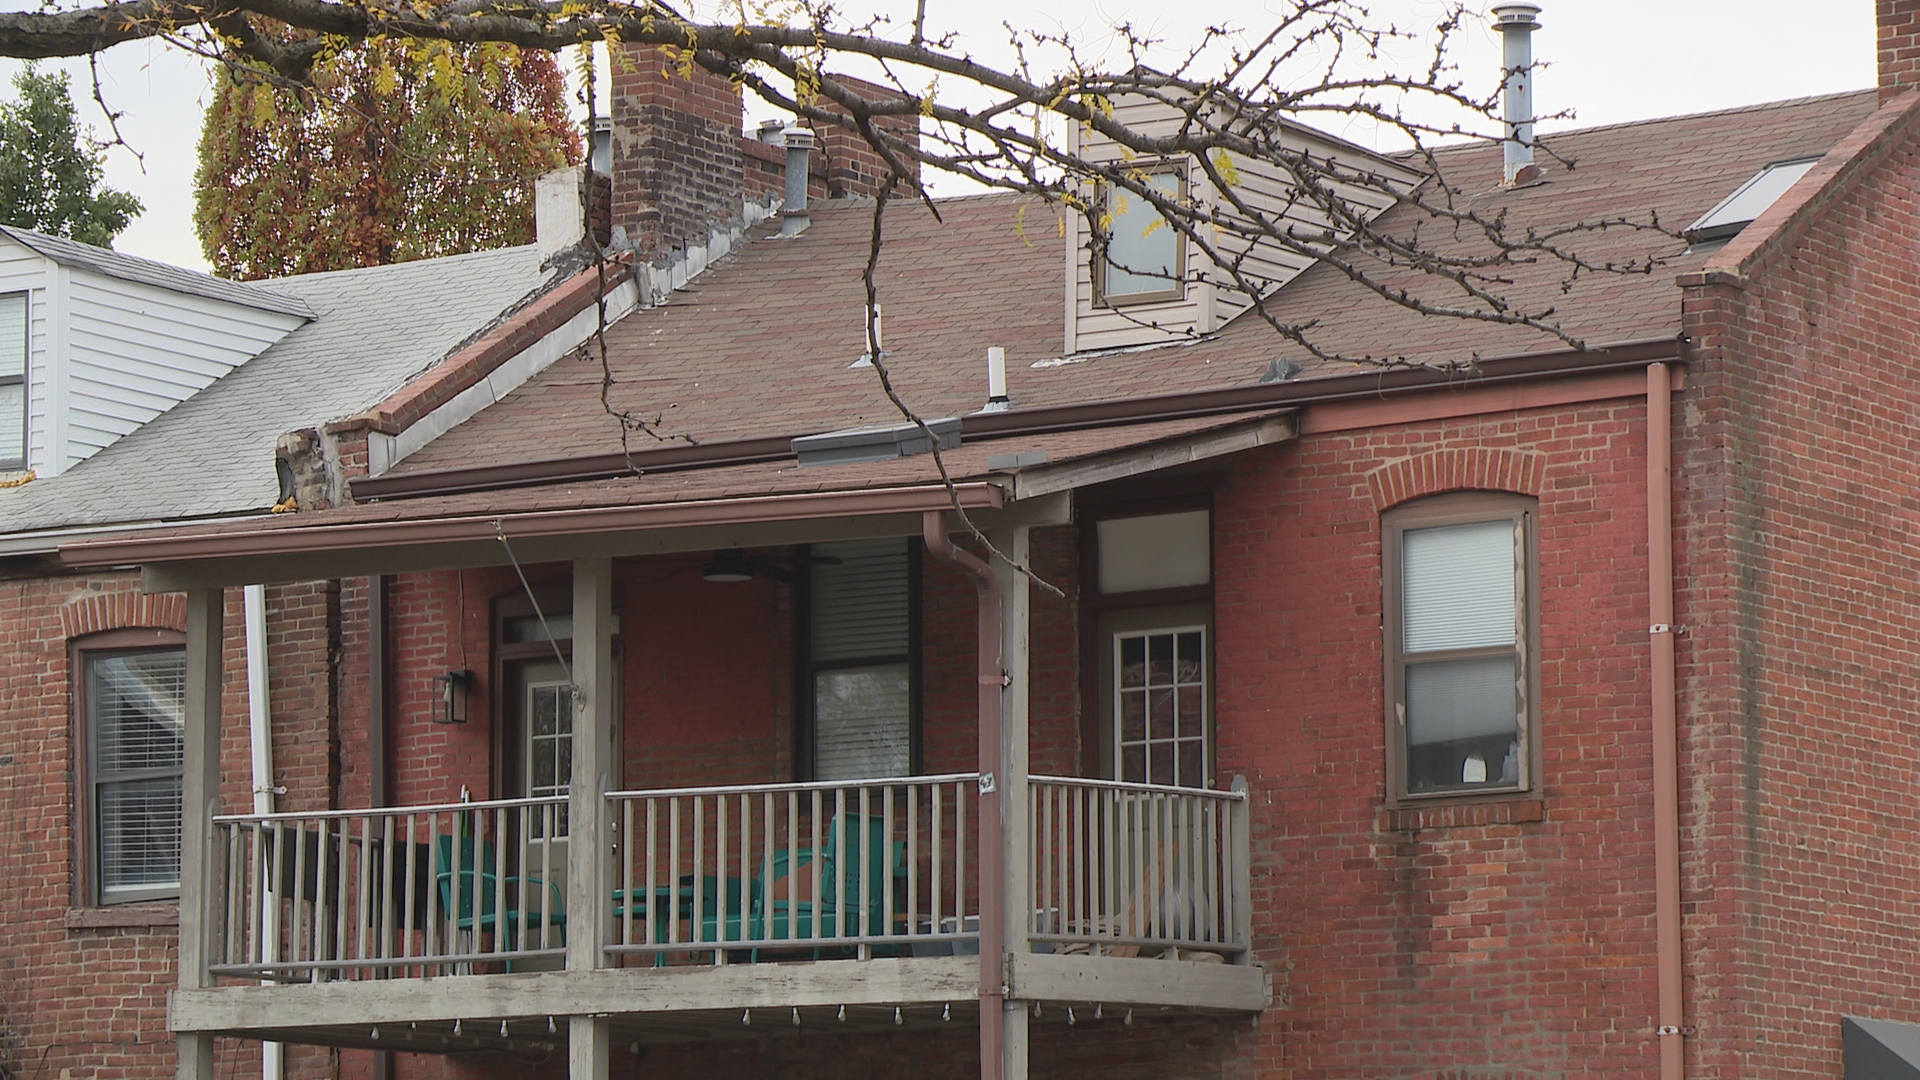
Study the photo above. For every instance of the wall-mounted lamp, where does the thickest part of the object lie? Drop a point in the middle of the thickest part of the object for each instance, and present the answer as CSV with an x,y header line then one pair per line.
x,y
450,706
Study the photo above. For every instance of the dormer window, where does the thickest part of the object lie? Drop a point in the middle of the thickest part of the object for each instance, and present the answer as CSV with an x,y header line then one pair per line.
x,y
1145,257
13,381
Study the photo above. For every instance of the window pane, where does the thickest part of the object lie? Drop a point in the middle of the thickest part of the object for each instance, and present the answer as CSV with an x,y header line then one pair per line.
x,y
13,335
13,422
1161,551
1458,586
139,834
1462,724
137,706
862,723
1159,732
860,603
1142,249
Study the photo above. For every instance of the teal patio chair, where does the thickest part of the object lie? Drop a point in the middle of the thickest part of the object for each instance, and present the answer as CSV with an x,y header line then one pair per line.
x,y
469,892
789,919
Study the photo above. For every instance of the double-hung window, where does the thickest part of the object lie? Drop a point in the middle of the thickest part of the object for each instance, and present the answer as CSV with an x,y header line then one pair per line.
x,y
1458,602
13,381
858,680
131,711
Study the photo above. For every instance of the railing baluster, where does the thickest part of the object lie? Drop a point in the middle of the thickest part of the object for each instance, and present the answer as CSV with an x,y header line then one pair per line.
x,y
913,861
936,859
960,856
719,901
886,871
653,851
815,907
673,869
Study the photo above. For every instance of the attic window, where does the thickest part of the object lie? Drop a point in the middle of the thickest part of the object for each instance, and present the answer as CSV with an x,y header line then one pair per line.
x,y
1748,201
1145,258
13,381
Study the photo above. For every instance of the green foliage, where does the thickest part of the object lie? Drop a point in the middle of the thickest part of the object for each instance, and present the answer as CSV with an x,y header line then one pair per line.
x,y
49,171
398,150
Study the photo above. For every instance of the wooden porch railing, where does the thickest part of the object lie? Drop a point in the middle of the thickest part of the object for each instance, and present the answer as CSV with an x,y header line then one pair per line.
x,y
824,869
1118,868
407,891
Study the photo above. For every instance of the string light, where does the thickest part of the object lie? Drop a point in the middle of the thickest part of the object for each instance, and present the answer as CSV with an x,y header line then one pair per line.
x,y
376,1033
796,1017
1129,1017
551,1029
746,1016
503,1029
1070,1020
456,1027
1097,1007
897,1019
843,1014
946,1011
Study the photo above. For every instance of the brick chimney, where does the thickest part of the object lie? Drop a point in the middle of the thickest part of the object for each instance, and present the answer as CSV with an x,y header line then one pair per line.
x,y
850,166
1898,23
676,151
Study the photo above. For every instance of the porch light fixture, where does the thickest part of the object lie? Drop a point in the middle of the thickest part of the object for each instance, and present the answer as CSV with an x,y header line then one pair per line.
x,y
729,565
450,704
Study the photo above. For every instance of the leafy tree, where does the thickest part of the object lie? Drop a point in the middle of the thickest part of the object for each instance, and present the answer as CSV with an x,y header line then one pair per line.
x,y
49,171
394,150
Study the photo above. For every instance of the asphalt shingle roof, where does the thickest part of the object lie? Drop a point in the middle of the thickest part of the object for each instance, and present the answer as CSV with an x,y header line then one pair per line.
x,y
373,330
162,275
761,344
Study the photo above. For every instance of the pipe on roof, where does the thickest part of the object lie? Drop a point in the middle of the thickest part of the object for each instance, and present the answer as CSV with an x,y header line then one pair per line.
x,y
1517,23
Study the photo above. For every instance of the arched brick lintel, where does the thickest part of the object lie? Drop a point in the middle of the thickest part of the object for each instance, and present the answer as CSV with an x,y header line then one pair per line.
x,y
1476,469
122,611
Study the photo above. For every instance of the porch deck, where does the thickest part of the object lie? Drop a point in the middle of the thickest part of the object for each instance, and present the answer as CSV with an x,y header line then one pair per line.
x,y
734,912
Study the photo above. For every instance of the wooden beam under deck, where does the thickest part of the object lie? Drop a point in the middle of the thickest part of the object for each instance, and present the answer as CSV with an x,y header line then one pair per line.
x,y
693,1004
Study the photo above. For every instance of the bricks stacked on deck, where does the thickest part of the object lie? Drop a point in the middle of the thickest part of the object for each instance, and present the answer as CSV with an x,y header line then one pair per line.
x,y
83,988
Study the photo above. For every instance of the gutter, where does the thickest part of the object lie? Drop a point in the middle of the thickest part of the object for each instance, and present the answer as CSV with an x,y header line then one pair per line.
x,y
1666,749
285,536
993,959
1041,420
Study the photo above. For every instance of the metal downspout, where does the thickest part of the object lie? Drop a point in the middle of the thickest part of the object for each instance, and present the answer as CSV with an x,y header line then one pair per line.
x,y
1666,769
273,1055
993,990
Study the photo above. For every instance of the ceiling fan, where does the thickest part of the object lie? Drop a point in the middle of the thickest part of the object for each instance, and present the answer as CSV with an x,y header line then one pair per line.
x,y
735,565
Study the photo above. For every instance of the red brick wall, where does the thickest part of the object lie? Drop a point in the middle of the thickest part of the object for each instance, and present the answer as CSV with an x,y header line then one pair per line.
x,y
1516,950
1795,475
849,163
676,150
82,989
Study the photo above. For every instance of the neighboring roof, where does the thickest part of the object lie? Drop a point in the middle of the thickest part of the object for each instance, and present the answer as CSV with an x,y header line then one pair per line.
x,y
158,274
373,329
764,340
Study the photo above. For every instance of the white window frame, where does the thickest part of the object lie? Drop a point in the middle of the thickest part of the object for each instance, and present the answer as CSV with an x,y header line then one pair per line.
x,y
8,461
92,779
1201,687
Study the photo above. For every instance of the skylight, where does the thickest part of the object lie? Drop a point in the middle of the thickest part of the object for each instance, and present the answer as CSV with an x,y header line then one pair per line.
x,y
1748,201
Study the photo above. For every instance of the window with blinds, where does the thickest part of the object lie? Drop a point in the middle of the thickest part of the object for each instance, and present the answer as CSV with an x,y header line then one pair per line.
x,y
1457,646
860,659
136,712
13,381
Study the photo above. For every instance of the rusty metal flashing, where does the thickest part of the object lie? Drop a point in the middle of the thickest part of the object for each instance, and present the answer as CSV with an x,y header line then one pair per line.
x,y
1045,419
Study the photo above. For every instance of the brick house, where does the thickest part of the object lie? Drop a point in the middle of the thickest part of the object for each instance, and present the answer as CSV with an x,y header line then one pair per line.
x,y
1546,718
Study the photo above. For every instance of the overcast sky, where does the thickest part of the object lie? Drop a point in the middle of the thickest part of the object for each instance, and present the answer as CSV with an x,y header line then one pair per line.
x,y
1609,61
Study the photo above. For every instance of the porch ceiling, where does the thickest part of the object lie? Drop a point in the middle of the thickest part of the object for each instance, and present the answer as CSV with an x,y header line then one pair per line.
x,y
753,505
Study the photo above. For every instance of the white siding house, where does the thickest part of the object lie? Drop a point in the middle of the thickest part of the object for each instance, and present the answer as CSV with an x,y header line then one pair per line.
x,y
1206,299
114,341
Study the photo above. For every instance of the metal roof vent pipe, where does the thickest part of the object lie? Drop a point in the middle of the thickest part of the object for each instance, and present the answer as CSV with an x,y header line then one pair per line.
x,y
1517,23
793,215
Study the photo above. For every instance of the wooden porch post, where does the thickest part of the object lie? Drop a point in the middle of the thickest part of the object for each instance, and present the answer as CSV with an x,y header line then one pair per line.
x,y
1014,799
199,790
590,838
